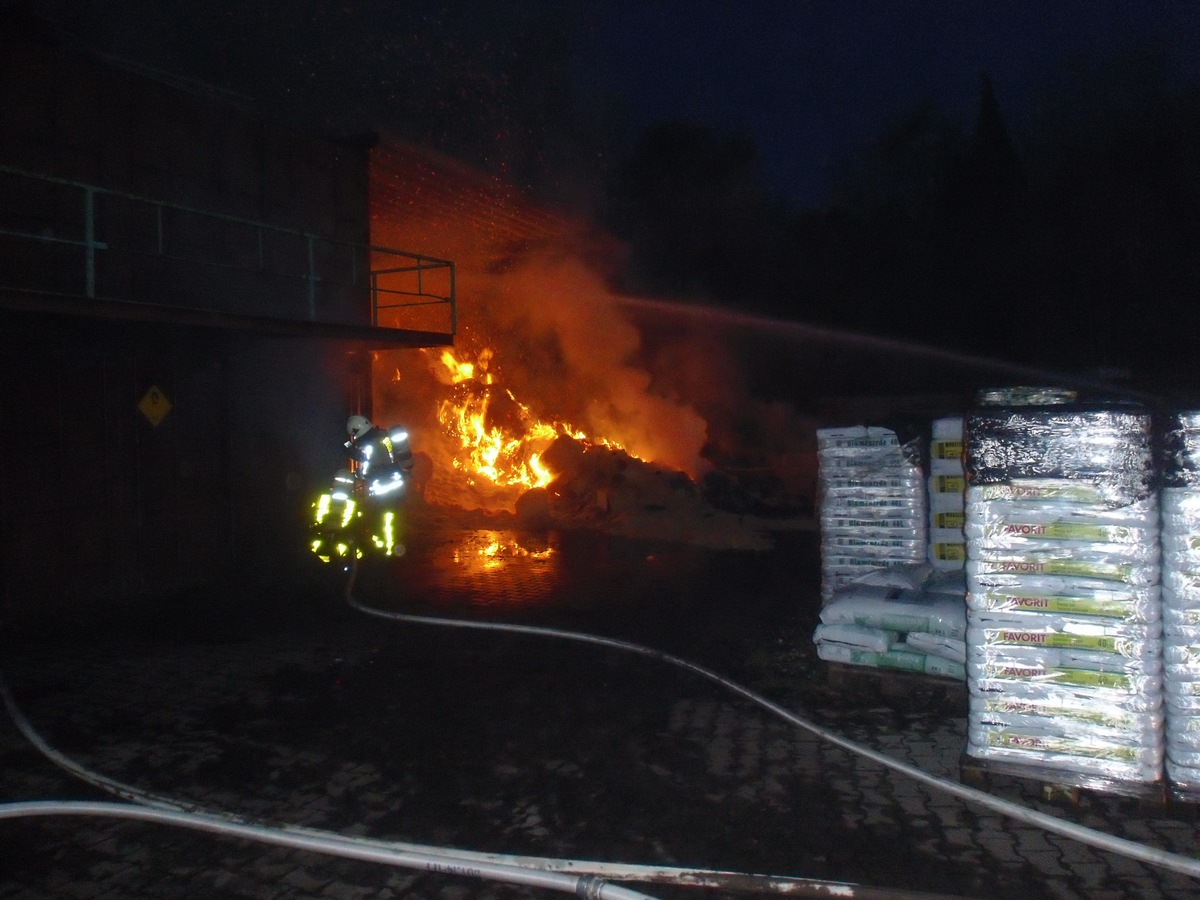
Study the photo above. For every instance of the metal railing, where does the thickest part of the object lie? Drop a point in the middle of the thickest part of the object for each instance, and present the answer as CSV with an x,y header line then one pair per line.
x,y
423,266
122,246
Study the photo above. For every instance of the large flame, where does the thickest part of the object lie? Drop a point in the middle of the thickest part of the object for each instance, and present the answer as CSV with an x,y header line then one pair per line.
x,y
536,287
506,449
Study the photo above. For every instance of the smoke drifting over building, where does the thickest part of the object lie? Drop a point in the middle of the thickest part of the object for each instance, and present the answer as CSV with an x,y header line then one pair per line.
x,y
536,315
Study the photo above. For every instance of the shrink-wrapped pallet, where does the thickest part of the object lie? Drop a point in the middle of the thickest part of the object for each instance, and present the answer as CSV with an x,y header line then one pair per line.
x,y
1064,642
871,499
1181,597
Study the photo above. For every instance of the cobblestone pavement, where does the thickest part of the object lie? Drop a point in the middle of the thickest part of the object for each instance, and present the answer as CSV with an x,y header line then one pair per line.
x,y
298,710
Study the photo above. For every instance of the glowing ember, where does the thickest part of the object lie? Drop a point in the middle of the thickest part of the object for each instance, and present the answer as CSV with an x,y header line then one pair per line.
x,y
503,448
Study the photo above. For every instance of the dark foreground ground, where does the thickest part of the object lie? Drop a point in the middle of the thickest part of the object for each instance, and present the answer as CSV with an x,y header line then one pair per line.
x,y
297,709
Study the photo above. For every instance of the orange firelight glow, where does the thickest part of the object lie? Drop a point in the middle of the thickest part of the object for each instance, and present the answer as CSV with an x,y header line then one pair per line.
x,y
487,550
461,370
507,454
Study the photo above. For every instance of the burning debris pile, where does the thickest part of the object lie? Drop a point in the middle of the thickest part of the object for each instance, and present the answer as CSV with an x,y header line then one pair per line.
x,y
552,408
607,489
490,453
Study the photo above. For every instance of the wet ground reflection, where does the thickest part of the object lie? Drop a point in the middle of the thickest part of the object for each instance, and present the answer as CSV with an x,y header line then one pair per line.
x,y
489,551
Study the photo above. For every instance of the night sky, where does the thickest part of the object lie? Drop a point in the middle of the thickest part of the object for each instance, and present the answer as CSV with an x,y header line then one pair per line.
x,y
808,82
936,172
811,80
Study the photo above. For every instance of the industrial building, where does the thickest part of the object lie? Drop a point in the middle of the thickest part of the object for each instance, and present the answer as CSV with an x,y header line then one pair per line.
x,y
189,298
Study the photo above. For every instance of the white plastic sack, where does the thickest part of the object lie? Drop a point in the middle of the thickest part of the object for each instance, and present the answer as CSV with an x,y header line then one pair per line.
x,y
896,609
937,645
860,636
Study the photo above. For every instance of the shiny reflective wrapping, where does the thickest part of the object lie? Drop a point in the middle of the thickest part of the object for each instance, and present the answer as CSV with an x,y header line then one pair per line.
x,y
1108,446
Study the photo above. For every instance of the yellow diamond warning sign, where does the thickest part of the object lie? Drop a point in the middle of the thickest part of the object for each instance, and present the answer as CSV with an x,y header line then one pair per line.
x,y
154,405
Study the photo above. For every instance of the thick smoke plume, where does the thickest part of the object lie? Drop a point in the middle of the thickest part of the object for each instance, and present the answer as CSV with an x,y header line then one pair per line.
x,y
671,383
559,341
573,355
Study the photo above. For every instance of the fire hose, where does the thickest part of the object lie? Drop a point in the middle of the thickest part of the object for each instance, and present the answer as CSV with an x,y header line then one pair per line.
x,y
584,878
1175,862
334,845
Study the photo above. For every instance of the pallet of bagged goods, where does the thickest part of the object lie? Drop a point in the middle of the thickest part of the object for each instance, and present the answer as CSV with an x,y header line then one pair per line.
x,y
1064,639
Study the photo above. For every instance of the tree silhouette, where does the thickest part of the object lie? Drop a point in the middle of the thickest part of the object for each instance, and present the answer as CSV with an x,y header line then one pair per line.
x,y
1070,246
1115,182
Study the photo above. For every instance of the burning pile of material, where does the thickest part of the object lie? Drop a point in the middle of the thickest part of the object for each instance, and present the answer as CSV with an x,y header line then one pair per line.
x,y
606,488
491,452
550,407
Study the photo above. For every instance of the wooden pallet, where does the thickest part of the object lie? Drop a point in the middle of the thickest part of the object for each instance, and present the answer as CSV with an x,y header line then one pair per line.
x,y
1059,785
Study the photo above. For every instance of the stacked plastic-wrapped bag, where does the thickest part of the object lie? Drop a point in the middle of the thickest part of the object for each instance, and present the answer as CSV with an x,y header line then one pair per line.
x,y
871,499
1181,597
1064,637
947,481
909,618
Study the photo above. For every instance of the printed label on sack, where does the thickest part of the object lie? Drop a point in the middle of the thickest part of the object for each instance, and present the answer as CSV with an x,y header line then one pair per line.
x,y
948,484
1105,643
856,438
860,443
1110,717
948,520
877,503
833,561
949,552
868,523
839,522
883,542
848,484
1045,744
1062,531
1087,605
1080,568
1049,489
1081,677
946,450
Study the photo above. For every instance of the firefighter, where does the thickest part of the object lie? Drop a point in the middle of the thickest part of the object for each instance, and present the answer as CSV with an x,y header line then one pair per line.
x,y
337,519
381,456
383,460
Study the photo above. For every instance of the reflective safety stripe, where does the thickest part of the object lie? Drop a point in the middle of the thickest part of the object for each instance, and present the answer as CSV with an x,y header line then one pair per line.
x,y
322,506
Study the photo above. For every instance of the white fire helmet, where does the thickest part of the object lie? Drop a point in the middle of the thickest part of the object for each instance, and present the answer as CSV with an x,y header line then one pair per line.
x,y
357,426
